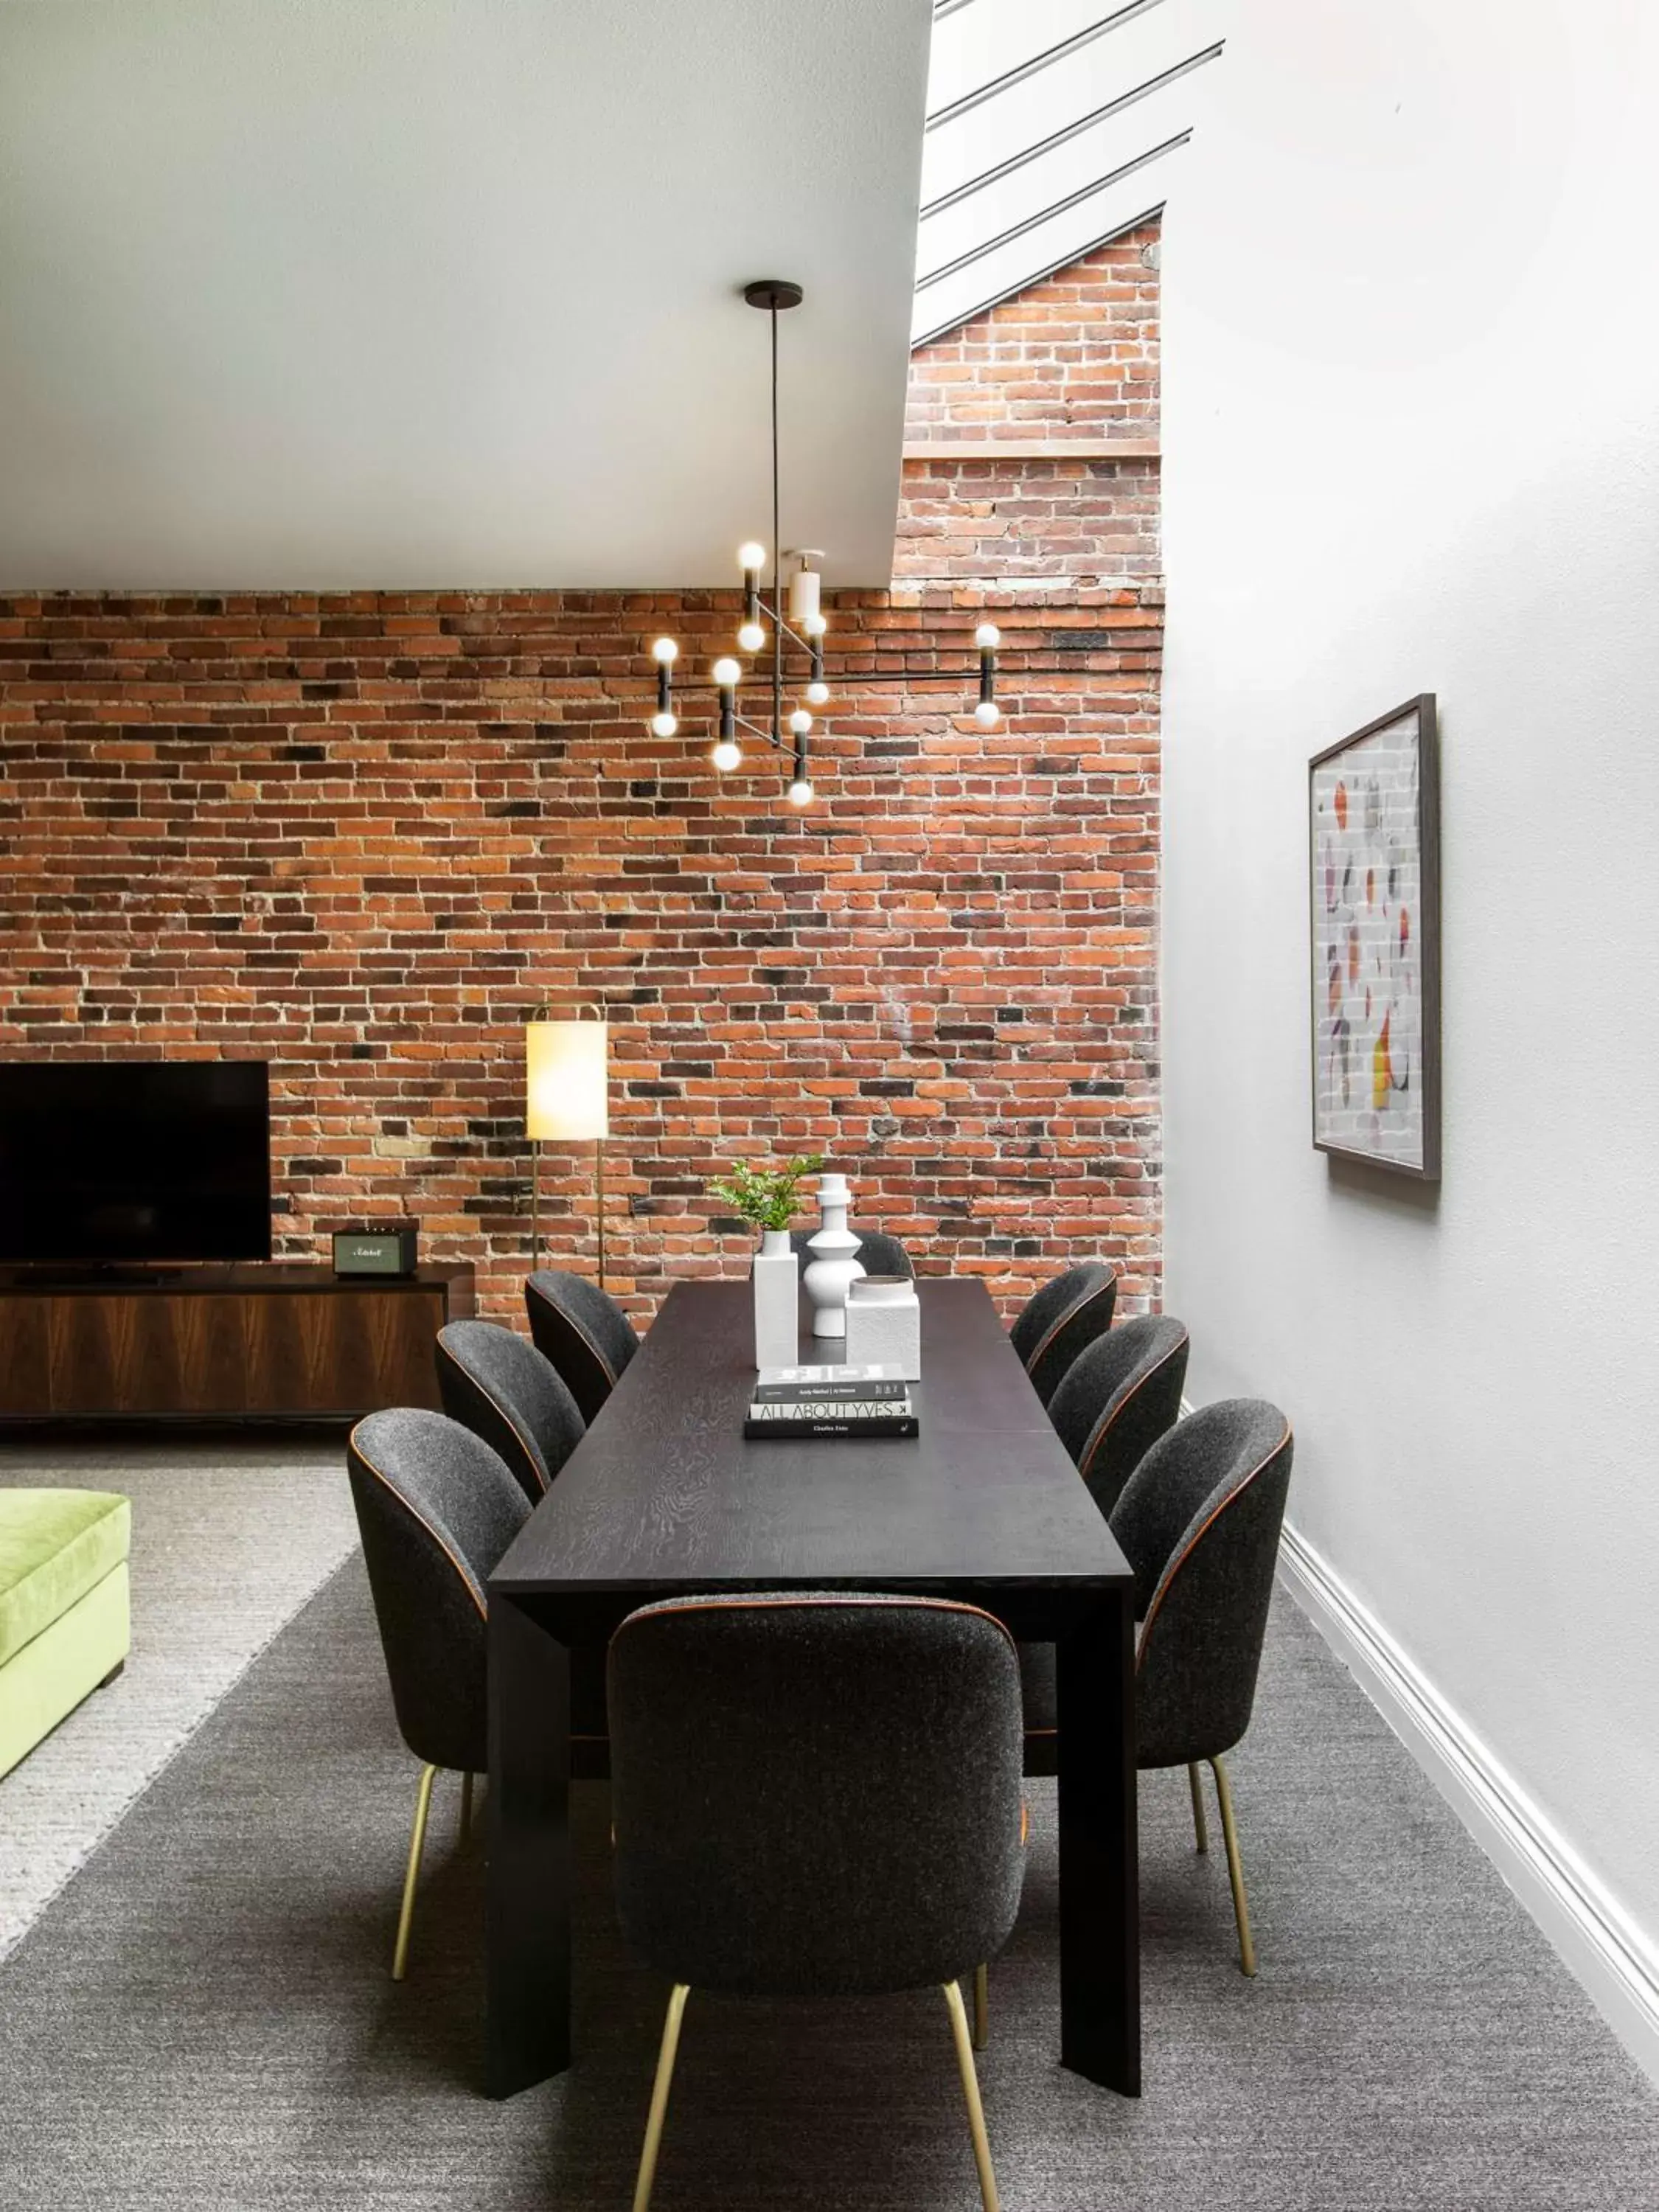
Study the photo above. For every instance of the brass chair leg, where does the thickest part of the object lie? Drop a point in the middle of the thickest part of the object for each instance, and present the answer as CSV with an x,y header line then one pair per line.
x,y
981,2005
466,1805
987,2180
671,2044
1200,1826
1235,1870
416,1843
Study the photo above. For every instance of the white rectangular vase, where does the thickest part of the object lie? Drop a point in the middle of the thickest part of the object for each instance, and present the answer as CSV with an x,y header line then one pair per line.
x,y
777,1311
884,1325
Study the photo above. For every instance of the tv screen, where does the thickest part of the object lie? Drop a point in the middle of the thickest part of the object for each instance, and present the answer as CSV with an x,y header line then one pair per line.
x,y
107,1161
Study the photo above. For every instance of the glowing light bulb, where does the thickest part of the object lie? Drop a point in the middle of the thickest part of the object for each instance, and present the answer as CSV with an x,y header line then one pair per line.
x,y
727,674
727,755
752,557
817,693
664,650
751,637
987,637
988,713
800,793
813,625
663,725
800,721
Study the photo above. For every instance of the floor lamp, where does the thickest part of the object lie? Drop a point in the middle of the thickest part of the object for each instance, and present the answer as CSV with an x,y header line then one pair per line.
x,y
567,1101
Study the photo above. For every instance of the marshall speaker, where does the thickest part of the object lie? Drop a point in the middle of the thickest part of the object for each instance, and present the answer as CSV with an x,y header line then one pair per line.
x,y
380,1251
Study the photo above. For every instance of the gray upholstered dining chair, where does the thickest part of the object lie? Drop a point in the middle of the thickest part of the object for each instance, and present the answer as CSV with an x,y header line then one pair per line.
x,y
1062,1320
815,1793
1199,1521
436,1509
583,1331
1117,1398
878,1253
497,1384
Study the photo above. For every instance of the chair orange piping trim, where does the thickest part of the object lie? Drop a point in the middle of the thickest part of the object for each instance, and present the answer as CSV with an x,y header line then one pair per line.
x,y
714,1603
1166,1580
483,1391
605,1368
1099,1435
396,1495
1082,1298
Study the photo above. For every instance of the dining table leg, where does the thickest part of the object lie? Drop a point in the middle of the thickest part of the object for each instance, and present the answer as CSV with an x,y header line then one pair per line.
x,y
1099,1859
527,1934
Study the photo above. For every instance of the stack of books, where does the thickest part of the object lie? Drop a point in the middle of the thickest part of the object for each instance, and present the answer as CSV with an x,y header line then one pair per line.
x,y
831,1402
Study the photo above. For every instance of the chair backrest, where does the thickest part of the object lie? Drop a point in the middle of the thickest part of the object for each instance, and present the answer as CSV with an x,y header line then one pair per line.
x,y
815,1793
1117,1398
498,1385
1062,1320
1199,1521
436,1510
583,1331
878,1253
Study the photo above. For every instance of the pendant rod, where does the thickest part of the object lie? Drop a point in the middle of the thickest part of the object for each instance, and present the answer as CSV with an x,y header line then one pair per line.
x,y
793,637
777,551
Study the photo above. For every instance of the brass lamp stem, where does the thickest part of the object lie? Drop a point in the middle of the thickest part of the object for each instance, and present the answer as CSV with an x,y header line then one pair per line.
x,y
598,1199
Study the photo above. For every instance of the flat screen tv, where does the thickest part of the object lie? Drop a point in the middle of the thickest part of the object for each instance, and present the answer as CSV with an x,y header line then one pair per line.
x,y
112,1162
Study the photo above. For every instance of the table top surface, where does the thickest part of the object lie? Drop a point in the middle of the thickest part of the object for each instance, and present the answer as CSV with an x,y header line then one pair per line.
x,y
665,1493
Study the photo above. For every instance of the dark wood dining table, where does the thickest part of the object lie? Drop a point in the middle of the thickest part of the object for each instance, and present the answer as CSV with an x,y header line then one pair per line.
x,y
664,1495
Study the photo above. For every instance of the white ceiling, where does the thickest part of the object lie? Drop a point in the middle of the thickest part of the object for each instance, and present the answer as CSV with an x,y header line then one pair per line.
x,y
410,293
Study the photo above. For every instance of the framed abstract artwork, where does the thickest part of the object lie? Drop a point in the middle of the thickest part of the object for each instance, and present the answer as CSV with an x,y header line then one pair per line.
x,y
1374,846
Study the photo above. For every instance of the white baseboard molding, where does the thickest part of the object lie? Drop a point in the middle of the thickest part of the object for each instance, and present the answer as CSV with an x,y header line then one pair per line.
x,y
1595,1937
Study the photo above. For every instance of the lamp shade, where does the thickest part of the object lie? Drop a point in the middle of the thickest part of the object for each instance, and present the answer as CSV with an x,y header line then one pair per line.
x,y
567,1097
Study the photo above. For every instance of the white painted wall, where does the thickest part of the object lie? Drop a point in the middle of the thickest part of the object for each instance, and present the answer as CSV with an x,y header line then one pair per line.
x,y
1412,349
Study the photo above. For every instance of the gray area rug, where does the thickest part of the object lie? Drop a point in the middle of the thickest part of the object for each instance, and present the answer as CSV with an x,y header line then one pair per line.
x,y
203,2017
230,1536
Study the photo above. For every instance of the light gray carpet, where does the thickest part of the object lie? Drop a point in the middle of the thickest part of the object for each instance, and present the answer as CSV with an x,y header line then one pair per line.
x,y
203,2017
230,1536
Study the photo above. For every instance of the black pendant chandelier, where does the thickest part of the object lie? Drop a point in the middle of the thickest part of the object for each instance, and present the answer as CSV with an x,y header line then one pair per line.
x,y
802,627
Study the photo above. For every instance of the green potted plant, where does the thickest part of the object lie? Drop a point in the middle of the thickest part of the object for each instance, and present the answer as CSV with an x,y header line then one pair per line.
x,y
766,1196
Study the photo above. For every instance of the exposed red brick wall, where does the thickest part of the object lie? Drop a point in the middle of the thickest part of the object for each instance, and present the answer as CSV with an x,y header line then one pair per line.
x,y
365,835
1075,356
994,523
1074,361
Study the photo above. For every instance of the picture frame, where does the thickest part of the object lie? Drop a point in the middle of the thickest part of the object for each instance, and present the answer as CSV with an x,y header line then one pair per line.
x,y
1374,909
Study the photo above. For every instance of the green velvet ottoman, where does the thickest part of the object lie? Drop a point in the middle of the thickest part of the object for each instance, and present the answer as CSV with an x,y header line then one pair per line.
x,y
62,1606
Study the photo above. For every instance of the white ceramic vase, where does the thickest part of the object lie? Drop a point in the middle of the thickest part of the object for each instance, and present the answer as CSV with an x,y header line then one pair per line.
x,y
884,1325
832,1265
777,1301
